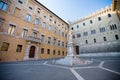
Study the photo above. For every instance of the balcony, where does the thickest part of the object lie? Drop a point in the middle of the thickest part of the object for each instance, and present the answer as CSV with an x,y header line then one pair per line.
x,y
32,39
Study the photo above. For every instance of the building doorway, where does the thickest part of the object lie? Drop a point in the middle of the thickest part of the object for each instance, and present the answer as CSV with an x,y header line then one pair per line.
x,y
77,50
32,52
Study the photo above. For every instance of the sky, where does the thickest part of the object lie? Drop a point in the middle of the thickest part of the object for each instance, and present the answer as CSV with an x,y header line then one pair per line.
x,y
70,10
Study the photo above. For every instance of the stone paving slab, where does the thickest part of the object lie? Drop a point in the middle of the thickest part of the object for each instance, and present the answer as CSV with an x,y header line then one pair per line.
x,y
34,72
112,65
97,74
104,69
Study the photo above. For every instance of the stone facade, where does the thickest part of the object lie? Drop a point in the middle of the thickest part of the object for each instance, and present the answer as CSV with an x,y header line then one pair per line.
x,y
29,30
98,32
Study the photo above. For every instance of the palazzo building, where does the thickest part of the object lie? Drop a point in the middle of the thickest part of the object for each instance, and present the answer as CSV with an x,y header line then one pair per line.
x,y
99,31
29,30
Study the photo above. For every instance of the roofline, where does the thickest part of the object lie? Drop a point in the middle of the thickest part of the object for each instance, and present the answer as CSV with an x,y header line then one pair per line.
x,y
52,12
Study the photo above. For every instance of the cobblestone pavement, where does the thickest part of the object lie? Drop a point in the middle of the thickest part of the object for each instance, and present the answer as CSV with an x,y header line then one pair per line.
x,y
100,69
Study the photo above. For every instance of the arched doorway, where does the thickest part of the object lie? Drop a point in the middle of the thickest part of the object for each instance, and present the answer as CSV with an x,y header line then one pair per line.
x,y
77,50
32,52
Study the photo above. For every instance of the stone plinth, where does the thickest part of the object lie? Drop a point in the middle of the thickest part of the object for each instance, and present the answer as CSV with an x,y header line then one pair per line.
x,y
71,60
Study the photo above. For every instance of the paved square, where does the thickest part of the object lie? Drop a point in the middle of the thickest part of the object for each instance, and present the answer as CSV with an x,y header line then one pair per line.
x,y
100,69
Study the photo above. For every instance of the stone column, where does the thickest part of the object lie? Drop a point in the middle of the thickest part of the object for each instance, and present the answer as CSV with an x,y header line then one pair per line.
x,y
70,48
36,51
26,57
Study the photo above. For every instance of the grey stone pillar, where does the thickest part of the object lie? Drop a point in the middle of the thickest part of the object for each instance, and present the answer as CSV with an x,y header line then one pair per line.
x,y
26,57
36,51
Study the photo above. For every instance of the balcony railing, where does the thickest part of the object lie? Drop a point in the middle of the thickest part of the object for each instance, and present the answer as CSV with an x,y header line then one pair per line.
x,y
32,39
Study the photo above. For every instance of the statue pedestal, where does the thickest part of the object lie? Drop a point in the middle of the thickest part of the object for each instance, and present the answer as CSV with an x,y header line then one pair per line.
x,y
71,59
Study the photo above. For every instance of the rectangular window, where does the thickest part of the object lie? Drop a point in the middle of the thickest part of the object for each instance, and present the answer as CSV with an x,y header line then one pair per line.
x,y
3,6
63,34
42,50
91,21
1,21
62,44
48,51
35,34
63,53
11,29
42,38
50,27
54,52
83,24
17,11
54,41
85,34
78,35
102,29
24,33
73,36
58,52
28,17
93,31
49,40
116,37
104,38
86,41
99,18
77,26
19,48
44,25
37,21
55,30
5,46
94,40
109,15
58,42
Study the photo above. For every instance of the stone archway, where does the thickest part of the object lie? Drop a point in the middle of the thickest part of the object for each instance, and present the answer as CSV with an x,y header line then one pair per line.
x,y
32,52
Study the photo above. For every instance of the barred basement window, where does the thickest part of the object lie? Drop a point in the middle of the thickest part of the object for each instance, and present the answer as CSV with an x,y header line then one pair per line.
x,y
54,52
58,52
63,53
5,46
19,48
